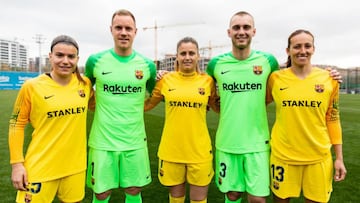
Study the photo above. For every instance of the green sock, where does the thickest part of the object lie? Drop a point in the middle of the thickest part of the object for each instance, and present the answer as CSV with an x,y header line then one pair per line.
x,y
133,198
229,201
95,200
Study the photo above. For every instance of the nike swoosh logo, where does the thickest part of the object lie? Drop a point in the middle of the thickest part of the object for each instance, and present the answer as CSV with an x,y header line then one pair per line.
x,y
283,88
223,72
48,97
172,89
104,73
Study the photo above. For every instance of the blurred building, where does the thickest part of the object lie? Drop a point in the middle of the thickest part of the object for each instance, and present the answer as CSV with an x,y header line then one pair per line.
x,y
13,55
168,63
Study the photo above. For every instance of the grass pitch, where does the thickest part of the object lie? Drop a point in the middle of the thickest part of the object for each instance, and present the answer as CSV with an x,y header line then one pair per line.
x,y
344,192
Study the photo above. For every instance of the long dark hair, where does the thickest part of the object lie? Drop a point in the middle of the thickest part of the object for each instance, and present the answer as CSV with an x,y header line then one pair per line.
x,y
296,32
70,41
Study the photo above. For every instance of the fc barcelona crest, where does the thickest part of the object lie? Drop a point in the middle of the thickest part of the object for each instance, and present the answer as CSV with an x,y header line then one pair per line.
x,y
81,93
319,88
276,185
201,90
257,70
220,181
28,198
139,74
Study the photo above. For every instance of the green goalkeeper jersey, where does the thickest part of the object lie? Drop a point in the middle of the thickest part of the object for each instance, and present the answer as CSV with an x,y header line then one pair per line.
x,y
120,87
243,125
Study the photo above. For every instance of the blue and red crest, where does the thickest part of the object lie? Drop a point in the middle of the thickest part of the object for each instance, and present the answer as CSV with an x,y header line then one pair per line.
x,y
258,70
139,74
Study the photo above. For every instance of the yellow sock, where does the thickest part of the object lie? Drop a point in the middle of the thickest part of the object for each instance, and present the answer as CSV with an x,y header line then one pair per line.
x,y
176,199
201,201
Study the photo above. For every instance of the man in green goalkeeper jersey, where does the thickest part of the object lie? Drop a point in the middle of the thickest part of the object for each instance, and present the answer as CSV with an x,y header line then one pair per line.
x,y
118,154
242,138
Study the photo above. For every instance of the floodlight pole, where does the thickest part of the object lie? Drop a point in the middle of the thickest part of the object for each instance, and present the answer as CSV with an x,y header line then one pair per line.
x,y
39,39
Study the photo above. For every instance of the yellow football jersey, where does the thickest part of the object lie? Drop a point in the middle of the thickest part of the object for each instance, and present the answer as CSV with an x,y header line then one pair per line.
x,y
58,116
307,115
185,137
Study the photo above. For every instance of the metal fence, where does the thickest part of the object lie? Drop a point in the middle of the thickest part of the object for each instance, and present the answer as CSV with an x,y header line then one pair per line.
x,y
351,80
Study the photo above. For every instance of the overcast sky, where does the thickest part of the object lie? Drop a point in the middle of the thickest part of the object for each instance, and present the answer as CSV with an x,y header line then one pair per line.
x,y
335,24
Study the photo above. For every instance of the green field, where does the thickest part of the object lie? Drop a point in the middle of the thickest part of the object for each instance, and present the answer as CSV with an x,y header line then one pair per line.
x,y
344,192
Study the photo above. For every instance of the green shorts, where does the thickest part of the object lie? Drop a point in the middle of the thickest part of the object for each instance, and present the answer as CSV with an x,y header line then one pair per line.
x,y
109,169
243,172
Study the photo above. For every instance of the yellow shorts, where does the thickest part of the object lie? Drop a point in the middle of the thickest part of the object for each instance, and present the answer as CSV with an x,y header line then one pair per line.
x,y
315,180
198,174
68,189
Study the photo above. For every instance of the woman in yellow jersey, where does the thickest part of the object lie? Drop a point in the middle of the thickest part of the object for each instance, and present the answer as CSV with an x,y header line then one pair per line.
x,y
56,105
185,151
307,126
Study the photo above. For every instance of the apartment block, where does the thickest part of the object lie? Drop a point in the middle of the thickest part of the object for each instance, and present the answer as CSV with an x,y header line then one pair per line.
x,y
13,54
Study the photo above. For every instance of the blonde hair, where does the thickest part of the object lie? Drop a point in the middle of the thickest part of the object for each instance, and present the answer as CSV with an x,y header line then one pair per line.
x,y
123,12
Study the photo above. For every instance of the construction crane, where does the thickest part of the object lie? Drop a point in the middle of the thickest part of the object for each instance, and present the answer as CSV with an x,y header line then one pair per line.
x,y
211,47
156,27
